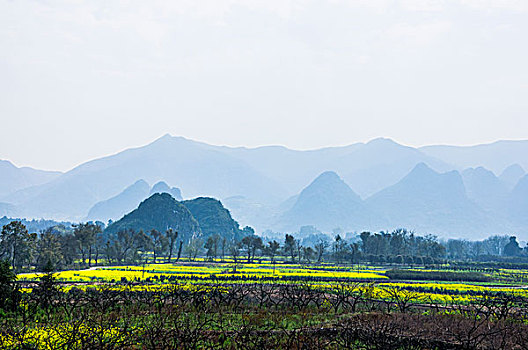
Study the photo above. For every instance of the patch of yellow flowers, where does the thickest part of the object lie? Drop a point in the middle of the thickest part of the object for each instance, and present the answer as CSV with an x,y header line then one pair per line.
x,y
60,337
188,271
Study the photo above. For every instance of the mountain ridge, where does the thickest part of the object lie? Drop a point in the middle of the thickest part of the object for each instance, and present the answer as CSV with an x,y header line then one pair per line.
x,y
255,181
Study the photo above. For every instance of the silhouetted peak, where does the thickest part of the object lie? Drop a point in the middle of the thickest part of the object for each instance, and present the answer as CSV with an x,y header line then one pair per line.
x,y
140,182
327,176
165,137
170,141
328,184
511,175
514,168
514,171
160,187
382,141
479,172
522,185
138,185
422,169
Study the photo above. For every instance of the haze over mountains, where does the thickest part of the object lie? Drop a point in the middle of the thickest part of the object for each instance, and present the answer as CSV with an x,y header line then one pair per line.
x,y
427,201
444,190
114,208
328,202
13,178
495,156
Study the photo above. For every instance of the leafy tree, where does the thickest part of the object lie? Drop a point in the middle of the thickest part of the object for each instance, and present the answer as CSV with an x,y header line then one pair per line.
x,y
125,247
110,251
193,248
10,294
436,250
68,248
160,243
16,244
365,237
99,247
252,244
141,242
272,249
299,248
308,254
49,250
457,248
248,231
234,251
512,248
290,246
320,249
212,246
86,236
172,236
494,245
47,290
354,252
398,242
339,248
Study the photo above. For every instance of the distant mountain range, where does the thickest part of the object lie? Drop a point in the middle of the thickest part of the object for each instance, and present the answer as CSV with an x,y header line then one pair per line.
x,y
328,202
431,202
495,156
13,178
445,190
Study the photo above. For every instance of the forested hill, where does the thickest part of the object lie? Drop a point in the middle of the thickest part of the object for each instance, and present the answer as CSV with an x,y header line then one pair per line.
x,y
200,217
159,212
213,218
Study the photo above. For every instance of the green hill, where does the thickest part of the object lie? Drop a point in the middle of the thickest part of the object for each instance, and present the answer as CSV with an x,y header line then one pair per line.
x,y
160,212
213,217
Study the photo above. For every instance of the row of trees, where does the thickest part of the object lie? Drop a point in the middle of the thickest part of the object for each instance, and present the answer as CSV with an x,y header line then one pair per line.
x,y
458,249
399,246
396,247
87,245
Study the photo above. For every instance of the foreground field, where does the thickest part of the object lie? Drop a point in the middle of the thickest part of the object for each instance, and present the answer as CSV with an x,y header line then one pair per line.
x,y
327,276
195,305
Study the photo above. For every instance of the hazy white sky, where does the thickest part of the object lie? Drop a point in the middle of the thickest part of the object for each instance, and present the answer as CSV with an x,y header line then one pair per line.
x,y
82,79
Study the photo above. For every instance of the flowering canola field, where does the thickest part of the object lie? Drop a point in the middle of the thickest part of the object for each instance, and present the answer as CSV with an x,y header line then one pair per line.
x,y
327,276
203,272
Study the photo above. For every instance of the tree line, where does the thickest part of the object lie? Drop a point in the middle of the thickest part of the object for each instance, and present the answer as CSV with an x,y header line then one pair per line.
x,y
86,244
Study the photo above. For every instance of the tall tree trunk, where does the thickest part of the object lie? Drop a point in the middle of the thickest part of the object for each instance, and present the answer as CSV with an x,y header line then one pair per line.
x,y
179,251
90,256
170,251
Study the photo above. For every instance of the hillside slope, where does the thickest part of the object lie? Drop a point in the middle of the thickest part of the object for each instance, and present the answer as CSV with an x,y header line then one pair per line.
x,y
160,212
